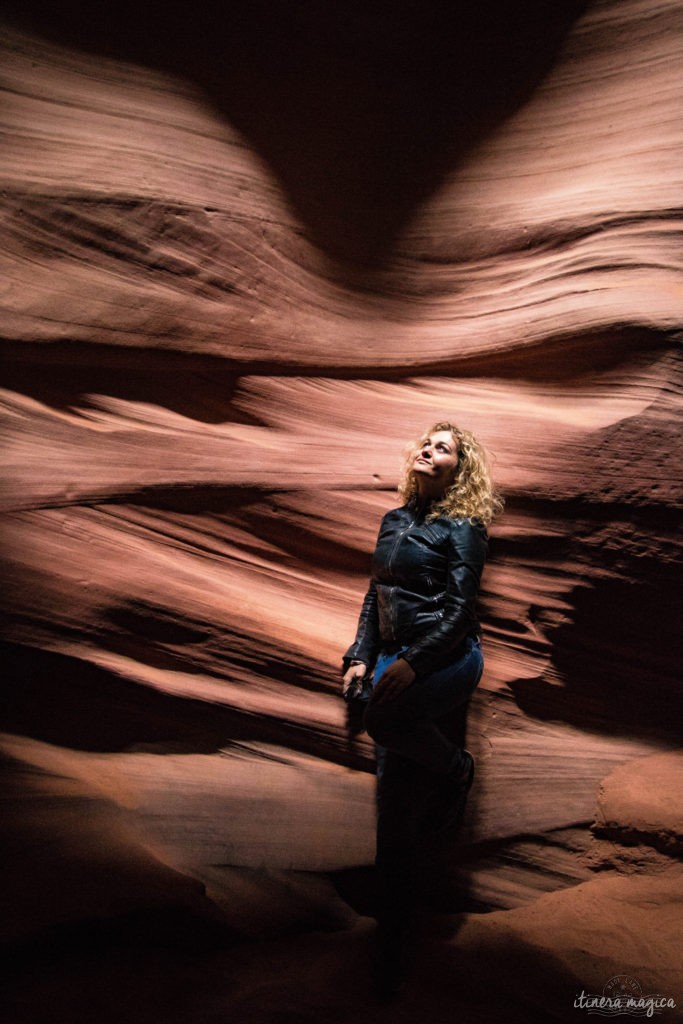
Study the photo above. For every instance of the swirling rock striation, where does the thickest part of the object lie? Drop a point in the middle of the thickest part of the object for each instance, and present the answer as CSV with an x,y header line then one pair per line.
x,y
240,269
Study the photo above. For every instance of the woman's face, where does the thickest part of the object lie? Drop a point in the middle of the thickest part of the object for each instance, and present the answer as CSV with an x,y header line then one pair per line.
x,y
436,462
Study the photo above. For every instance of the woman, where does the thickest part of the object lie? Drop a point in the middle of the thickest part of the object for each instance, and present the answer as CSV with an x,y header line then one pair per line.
x,y
418,630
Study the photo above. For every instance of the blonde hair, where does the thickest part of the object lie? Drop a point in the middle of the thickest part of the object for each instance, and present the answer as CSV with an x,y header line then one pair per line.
x,y
472,494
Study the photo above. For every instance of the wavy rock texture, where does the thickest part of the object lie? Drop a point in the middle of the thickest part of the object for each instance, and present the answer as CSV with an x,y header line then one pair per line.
x,y
243,262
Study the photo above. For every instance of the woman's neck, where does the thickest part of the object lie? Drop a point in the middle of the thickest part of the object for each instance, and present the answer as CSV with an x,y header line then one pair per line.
x,y
426,496
423,504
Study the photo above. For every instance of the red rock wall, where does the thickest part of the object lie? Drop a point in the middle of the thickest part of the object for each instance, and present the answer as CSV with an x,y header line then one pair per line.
x,y
235,281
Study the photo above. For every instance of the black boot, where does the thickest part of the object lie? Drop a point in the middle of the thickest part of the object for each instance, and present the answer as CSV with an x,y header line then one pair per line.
x,y
463,780
447,810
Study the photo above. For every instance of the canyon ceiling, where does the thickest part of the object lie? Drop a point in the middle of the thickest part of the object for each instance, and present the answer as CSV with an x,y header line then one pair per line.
x,y
248,252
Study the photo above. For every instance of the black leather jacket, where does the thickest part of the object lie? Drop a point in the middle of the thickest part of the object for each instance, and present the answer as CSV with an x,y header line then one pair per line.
x,y
423,589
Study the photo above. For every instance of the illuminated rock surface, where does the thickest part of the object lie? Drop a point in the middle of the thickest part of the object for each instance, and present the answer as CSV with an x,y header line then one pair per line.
x,y
241,266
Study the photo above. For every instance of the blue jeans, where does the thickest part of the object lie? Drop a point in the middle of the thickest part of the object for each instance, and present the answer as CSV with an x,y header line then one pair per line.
x,y
408,724
414,759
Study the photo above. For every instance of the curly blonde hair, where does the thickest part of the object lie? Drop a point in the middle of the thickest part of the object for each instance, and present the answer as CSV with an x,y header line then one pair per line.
x,y
472,494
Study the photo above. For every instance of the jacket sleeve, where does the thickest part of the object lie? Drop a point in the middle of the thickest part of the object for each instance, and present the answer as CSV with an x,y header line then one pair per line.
x,y
366,645
467,547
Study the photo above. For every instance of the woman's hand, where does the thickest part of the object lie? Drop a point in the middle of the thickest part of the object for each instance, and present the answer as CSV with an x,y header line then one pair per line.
x,y
352,677
393,681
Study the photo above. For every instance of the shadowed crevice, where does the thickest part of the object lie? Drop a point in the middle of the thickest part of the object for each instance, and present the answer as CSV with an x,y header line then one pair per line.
x,y
71,703
359,109
63,375
68,375
615,659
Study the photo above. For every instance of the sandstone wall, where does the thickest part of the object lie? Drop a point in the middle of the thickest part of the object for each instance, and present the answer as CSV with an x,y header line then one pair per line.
x,y
235,281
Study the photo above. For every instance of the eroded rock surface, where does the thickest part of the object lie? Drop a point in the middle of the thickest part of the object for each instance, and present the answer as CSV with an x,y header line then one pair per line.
x,y
641,803
242,264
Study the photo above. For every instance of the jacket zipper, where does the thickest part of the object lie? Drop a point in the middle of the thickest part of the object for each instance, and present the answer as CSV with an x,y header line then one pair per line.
x,y
392,591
